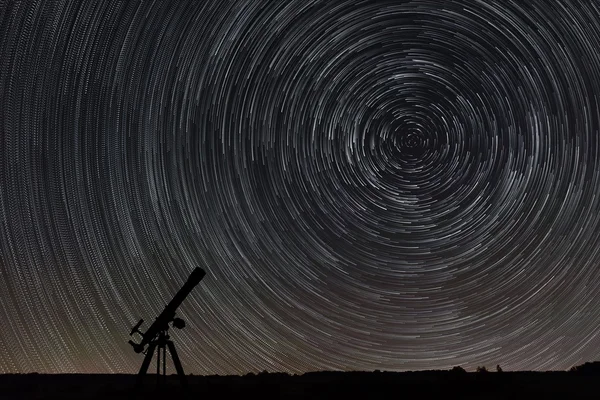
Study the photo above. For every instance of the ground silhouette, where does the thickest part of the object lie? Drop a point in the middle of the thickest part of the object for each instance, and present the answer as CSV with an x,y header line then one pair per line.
x,y
579,383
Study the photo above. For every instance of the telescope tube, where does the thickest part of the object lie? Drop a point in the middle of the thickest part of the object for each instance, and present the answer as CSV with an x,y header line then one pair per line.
x,y
162,321
194,279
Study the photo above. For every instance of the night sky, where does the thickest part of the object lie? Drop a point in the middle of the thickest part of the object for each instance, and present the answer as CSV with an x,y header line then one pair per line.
x,y
394,185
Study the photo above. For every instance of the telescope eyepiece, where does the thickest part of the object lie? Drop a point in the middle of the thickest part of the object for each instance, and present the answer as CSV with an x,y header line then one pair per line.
x,y
136,328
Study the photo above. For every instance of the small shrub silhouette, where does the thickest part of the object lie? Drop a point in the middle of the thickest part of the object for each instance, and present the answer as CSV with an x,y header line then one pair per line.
x,y
498,368
482,369
589,368
458,370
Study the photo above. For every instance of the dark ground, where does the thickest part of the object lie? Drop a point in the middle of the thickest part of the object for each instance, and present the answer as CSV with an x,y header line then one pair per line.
x,y
318,385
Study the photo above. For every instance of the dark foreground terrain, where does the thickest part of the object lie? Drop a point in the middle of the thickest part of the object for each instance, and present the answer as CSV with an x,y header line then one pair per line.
x,y
318,385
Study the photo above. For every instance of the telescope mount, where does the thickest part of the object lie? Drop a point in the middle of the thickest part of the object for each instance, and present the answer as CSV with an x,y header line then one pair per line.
x,y
157,338
159,345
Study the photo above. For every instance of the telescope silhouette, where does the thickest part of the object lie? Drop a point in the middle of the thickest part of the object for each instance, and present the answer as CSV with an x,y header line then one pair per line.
x,y
157,334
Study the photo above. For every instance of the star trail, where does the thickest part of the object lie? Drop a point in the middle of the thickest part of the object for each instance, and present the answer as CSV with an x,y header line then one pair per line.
x,y
393,185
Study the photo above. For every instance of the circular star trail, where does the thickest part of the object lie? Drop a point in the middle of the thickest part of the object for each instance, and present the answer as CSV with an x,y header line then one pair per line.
x,y
369,185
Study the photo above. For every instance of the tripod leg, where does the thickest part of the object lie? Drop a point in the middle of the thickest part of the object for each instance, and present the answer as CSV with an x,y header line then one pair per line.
x,y
146,363
158,366
178,367
164,367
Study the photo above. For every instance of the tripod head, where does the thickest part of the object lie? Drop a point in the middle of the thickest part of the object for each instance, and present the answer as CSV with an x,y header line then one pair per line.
x,y
161,323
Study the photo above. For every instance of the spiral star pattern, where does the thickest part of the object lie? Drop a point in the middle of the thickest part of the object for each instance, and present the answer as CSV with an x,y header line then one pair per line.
x,y
393,185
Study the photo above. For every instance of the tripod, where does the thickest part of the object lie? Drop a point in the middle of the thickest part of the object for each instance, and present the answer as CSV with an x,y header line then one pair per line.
x,y
160,344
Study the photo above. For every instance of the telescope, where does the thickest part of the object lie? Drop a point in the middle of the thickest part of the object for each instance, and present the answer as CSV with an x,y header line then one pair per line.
x,y
156,336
